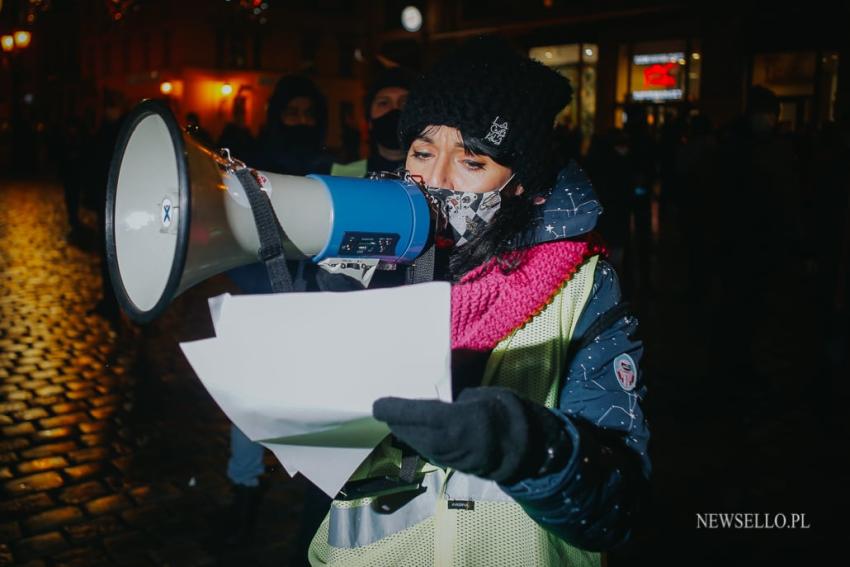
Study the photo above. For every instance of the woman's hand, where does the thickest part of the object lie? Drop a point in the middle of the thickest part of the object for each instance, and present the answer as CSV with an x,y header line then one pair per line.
x,y
489,432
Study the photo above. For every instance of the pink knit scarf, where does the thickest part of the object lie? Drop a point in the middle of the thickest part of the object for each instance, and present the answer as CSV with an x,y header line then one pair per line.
x,y
487,305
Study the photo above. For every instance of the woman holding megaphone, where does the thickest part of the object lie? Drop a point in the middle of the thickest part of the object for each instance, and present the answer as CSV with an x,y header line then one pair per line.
x,y
542,457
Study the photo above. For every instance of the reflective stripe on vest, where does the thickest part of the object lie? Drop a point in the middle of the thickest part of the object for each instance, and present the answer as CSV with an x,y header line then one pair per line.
x,y
373,519
460,519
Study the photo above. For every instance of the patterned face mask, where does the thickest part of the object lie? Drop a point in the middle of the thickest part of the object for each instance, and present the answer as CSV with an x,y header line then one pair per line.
x,y
468,213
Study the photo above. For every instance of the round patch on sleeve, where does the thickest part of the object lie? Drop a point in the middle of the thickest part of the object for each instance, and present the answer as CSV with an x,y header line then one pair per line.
x,y
626,371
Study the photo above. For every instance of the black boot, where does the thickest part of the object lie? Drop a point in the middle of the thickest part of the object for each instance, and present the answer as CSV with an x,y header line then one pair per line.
x,y
243,514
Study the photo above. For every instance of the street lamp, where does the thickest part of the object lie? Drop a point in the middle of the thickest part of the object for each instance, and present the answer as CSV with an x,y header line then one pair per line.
x,y
22,39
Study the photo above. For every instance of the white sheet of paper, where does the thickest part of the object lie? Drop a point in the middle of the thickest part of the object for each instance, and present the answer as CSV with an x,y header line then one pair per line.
x,y
299,371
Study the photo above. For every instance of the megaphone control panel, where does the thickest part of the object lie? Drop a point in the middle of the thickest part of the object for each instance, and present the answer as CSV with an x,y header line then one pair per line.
x,y
368,245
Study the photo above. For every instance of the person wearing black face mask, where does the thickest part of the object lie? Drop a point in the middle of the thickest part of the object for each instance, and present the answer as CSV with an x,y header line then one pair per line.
x,y
292,140
383,103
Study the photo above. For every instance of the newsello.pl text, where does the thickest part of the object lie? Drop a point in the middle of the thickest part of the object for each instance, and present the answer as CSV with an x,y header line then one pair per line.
x,y
751,521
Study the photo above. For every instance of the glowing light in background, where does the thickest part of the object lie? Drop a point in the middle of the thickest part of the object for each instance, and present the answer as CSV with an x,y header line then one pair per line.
x,y
411,19
22,38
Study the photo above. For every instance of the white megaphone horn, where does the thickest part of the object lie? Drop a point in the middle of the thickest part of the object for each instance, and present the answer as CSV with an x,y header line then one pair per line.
x,y
176,214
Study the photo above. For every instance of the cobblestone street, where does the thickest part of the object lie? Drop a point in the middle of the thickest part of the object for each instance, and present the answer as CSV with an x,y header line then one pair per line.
x,y
112,453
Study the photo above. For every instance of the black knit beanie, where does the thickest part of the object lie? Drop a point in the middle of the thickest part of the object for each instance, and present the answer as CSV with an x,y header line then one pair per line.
x,y
503,103
385,78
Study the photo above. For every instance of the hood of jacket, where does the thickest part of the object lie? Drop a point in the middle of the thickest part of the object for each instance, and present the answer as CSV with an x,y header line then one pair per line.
x,y
570,210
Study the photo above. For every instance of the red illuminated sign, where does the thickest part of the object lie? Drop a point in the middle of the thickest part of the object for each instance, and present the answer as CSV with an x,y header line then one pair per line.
x,y
660,75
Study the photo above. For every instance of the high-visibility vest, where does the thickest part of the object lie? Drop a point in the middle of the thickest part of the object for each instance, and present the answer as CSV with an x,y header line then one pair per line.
x,y
452,518
353,169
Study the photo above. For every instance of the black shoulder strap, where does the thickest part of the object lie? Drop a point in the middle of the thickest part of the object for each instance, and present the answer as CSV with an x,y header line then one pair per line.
x,y
597,327
270,232
423,269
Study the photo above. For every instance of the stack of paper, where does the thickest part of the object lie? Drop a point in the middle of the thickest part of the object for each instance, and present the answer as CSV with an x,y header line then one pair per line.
x,y
299,372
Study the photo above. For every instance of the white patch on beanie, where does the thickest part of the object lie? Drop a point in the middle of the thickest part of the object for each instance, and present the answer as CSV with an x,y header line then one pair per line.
x,y
497,132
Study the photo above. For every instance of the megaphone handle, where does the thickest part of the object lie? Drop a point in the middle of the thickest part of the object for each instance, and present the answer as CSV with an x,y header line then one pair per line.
x,y
269,230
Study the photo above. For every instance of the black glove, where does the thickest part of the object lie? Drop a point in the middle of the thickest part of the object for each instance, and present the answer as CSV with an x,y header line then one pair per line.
x,y
489,432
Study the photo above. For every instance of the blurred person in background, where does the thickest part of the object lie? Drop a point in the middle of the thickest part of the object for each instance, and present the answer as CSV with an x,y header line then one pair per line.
x,y
198,132
103,147
236,136
383,103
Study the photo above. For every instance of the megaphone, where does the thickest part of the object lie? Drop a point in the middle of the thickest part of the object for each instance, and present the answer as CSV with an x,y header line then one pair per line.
x,y
176,214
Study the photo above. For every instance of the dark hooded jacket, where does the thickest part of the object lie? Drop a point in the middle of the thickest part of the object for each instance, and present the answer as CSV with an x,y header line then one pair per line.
x,y
293,150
